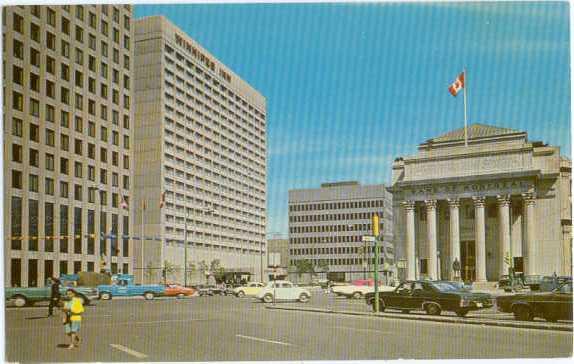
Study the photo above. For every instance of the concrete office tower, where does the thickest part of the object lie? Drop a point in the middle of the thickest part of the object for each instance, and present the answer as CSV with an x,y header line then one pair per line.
x,y
68,121
327,225
200,161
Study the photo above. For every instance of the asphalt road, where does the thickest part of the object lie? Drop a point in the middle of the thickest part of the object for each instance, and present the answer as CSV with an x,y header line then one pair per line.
x,y
232,329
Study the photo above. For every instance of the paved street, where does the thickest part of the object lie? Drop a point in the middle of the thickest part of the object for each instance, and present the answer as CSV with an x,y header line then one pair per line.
x,y
228,328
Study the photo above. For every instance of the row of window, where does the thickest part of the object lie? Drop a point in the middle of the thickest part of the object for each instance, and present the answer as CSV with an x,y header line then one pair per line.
x,y
37,10
338,261
214,238
336,205
334,217
331,228
339,250
16,272
220,228
327,239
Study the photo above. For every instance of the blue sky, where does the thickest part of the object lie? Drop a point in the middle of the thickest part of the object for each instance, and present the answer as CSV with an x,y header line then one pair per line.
x,y
350,87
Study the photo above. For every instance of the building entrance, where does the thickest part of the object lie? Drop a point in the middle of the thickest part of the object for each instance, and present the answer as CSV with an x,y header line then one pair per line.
x,y
467,261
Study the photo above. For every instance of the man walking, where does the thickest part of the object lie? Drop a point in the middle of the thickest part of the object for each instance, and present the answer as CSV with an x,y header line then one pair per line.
x,y
73,310
54,295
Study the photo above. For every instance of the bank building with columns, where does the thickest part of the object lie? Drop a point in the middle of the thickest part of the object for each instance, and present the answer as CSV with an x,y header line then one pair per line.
x,y
500,194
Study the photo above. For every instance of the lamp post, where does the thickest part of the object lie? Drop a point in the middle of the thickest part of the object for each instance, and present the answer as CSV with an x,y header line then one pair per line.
x,y
99,190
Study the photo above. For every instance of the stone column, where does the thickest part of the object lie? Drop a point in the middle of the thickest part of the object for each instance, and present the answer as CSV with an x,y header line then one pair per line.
x,y
409,207
480,238
530,256
432,240
504,231
453,205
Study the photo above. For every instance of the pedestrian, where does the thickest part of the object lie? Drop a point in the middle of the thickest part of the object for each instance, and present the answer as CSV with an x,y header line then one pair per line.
x,y
72,319
54,295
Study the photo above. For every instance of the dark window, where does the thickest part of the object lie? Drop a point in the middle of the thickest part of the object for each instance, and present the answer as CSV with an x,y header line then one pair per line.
x,y
63,230
91,232
16,223
78,230
77,266
49,227
126,242
103,231
63,267
33,273
33,225
15,272
114,239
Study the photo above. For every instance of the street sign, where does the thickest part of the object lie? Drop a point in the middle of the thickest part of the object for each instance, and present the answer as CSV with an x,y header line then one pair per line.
x,y
368,238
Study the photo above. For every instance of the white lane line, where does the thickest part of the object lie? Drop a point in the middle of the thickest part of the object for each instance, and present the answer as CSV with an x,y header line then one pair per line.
x,y
129,351
263,340
358,329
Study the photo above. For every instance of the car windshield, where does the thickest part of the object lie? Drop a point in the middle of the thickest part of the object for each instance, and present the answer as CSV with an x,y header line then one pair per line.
x,y
445,287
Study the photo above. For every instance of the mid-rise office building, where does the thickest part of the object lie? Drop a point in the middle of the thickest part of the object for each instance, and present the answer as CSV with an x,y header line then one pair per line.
x,y
200,163
327,226
68,117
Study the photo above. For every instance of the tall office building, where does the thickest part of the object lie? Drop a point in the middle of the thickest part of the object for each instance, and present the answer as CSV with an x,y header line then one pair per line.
x,y
67,73
200,162
327,226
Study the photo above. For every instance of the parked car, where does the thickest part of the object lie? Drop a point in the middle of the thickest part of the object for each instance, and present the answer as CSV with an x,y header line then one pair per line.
x,y
251,289
209,290
358,288
123,285
27,296
432,297
176,290
550,283
283,291
552,306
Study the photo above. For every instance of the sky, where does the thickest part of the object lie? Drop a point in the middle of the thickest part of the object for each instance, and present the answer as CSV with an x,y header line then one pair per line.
x,y
351,87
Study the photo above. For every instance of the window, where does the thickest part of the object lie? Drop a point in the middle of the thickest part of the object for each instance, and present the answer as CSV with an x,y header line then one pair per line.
x,y
18,23
126,162
79,57
126,22
79,78
17,127
50,89
50,137
64,119
34,133
64,189
126,142
115,117
80,12
34,107
34,57
116,15
51,17
116,57
79,102
104,134
65,72
104,112
103,155
49,186
91,151
35,32
79,124
92,174
50,65
17,75
36,11
65,95
104,70
78,169
17,101
33,183
93,20
49,162
126,121
79,34
115,158
115,138
115,97
16,179
126,102
126,82
65,49
34,156
126,62
78,192
104,28
104,46
126,182
92,42
116,76
16,222
78,146
116,36
65,142
103,176
65,26
92,63
92,129
103,90
34,82
126,42
16,153
64,165
18,49
91,107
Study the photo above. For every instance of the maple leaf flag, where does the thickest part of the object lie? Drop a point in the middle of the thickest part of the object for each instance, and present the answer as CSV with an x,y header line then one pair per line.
x,y
457,85
162,200
124,203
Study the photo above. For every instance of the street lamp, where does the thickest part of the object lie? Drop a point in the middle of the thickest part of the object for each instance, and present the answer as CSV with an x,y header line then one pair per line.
x,y
100,190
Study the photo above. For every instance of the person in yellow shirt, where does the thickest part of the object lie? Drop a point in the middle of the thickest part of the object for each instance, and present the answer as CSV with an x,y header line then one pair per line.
x,y
73,310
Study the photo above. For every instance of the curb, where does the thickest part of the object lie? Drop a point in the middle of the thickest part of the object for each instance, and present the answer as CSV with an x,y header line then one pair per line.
x,y
453,320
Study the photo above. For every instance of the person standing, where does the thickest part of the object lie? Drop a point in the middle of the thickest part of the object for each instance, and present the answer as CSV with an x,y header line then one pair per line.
x,y
54,295
73,310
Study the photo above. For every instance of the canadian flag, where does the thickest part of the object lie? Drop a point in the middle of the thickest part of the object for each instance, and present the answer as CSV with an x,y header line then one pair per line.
x,y
457,85
162,200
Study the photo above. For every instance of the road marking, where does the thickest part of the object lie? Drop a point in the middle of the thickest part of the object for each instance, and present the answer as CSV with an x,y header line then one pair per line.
x,y
357,329
263,340
129,351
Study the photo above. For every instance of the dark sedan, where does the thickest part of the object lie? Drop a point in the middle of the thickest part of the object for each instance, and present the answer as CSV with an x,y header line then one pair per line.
x,y
552,306
432,297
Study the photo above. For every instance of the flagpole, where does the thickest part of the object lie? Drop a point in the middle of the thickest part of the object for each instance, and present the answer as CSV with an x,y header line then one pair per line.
x,y
465,84
142,240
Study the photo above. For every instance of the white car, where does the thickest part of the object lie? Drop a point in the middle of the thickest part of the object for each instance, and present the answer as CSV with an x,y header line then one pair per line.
x,y
251,289
283,291
358,291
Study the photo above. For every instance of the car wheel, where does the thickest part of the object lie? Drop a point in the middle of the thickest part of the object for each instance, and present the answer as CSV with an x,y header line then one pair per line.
x,y
180,295
432,309
20,301
268,298
303,297
105,296
149,295
240,294
381,305
522,313
550,317
461,313
357,295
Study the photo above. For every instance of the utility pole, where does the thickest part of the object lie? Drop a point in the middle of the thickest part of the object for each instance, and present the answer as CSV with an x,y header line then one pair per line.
x,y
185,250
375,223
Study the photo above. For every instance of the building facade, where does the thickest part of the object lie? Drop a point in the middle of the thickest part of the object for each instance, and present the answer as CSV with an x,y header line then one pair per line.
x,y
327,226
200,162
68,117
502,195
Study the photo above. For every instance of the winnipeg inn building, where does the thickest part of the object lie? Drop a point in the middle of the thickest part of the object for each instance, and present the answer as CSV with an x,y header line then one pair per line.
x,y
502,195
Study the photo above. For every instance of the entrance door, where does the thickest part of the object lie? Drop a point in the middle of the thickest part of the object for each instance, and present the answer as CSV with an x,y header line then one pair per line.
x,y
467,261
